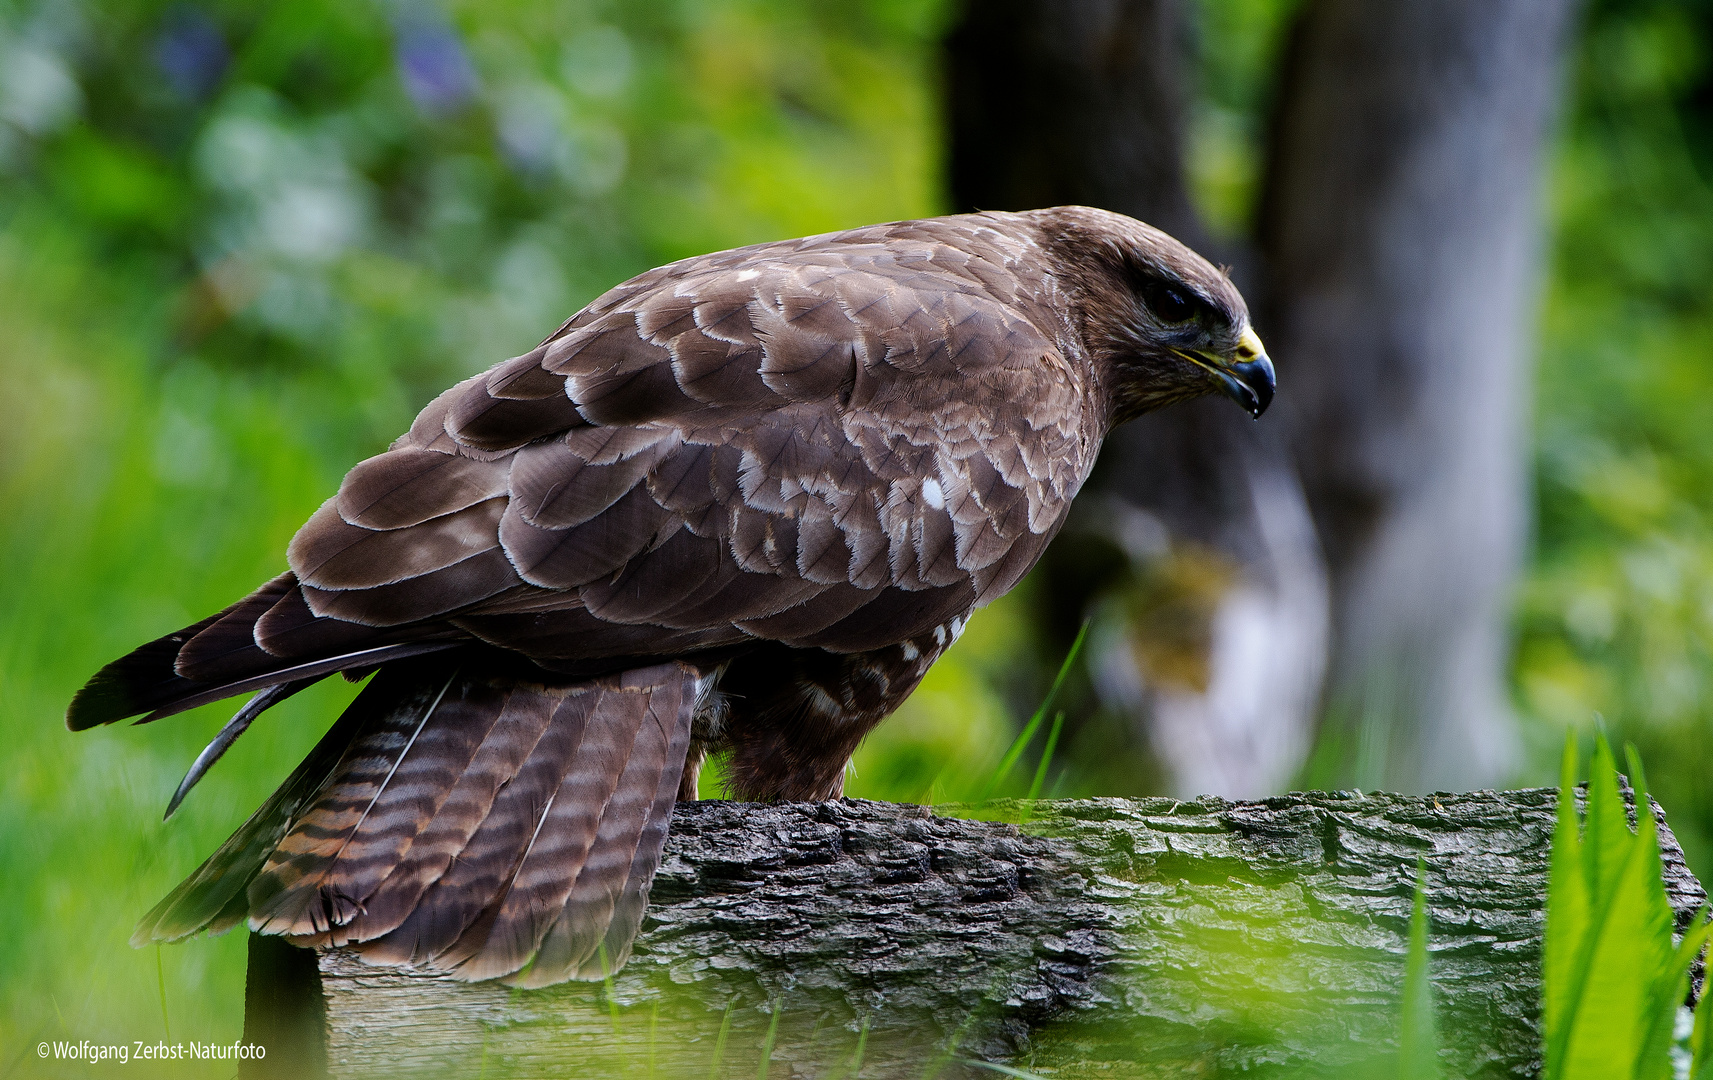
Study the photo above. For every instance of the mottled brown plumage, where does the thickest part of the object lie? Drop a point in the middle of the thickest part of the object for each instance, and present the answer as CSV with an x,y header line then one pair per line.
x,y
740,503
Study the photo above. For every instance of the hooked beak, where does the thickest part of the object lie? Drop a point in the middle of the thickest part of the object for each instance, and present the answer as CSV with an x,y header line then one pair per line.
x,y
1246,377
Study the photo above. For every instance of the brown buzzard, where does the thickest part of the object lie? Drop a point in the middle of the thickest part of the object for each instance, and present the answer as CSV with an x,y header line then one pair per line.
x,y
739,503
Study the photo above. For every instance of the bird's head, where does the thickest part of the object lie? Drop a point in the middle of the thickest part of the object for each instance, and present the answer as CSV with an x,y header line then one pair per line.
x,y
1160,322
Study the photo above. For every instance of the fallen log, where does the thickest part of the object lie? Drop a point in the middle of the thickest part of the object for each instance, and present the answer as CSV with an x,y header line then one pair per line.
x,y
1112,937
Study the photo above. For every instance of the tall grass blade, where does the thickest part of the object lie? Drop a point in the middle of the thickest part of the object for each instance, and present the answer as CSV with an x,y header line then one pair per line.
x,y
1701,1037
1024,737
720,1044
161,985
1046,761
853,1067
1046,756
1613,978
1567,915
1670,982
1418,1049
1012,753
767,1042
1003,1070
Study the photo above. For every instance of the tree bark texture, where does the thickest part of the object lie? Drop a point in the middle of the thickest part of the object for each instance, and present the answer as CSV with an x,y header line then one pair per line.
x,y
1112,937
1401,229
1369,528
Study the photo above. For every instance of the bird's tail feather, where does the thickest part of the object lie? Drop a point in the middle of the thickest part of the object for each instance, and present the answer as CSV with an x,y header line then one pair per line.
x,y
213,898
485,827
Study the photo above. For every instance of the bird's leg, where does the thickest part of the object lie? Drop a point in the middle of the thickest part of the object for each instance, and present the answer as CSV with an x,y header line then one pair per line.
x,y
796,720
837,791
692,769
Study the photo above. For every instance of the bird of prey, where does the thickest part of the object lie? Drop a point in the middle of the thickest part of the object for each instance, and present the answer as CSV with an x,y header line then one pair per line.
x,y
738,504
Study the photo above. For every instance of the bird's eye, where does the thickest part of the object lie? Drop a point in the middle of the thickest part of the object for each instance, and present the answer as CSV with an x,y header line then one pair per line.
x,y
1171,305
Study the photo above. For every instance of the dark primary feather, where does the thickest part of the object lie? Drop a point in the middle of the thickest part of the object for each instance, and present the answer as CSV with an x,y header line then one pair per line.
x,y
228,735
742,501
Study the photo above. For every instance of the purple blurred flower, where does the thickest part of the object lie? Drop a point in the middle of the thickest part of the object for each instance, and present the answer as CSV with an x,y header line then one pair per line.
x,y
436,72
191,52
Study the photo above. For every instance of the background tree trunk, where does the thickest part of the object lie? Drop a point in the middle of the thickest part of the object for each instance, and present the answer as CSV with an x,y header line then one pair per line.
x,y
1401,229
1125,937
1376,517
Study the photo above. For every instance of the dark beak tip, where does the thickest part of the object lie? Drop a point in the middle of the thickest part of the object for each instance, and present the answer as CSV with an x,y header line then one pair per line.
x,y
1251,385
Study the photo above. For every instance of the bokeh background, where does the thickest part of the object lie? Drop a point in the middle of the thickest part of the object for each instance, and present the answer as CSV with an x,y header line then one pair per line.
x,y
242,243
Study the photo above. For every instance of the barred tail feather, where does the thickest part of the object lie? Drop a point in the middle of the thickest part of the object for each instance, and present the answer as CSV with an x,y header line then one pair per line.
x,y
477,825
592,935
213,898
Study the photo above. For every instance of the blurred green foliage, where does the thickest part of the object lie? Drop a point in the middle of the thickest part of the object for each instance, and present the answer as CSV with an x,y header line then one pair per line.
x,y
241,244
1616,615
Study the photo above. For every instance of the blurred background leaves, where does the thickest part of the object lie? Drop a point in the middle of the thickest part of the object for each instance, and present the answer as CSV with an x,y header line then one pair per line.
x,y
1616,613
271,232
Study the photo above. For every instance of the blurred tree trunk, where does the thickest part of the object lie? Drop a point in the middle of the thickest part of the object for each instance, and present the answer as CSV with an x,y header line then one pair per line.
x,y
1394,282
1401,229
1216,631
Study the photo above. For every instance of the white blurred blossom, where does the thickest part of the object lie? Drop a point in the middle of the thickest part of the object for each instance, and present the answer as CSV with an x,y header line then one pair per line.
x,y
289,192
37,91
542,136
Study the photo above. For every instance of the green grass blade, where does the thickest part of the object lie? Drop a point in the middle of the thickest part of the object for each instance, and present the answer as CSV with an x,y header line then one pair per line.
x,y
1701,1037
1024,737
767,1042
1612,976
1041,769
1617,958
1012,753
1418,1043
1567,915
862,1044
607,986
161,985
1607,839
1003,1070
720,1044
1046,756
1666,987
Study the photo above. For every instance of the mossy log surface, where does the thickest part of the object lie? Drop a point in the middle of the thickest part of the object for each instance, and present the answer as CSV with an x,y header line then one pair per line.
x,y
1104,937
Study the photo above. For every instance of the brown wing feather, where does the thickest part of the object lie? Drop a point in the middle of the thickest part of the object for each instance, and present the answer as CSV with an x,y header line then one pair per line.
x,y
410,486
227,647
332,554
